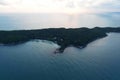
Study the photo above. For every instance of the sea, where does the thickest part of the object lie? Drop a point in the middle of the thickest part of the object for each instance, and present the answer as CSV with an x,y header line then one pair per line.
x,y
36,60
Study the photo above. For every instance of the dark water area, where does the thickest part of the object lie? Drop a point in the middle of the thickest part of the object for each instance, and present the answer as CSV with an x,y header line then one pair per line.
x,y
38,21
35,60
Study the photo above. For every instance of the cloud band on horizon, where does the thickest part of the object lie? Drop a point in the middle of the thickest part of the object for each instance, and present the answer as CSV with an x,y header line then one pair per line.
x,y
73,6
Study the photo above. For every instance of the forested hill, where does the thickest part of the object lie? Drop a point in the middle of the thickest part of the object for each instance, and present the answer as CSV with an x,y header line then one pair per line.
x,y
78,37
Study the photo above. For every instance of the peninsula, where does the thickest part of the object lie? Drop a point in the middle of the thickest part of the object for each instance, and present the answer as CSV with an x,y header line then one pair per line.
x,y
78,37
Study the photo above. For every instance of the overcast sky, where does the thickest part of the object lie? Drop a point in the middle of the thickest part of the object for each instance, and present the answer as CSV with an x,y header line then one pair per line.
x,y
59,6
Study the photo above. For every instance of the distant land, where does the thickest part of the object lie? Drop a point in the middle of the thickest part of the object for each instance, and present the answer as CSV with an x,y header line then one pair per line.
x,y
77,37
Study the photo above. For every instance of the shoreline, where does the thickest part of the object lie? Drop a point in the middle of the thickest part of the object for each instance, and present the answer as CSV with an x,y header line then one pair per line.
x,y
79,37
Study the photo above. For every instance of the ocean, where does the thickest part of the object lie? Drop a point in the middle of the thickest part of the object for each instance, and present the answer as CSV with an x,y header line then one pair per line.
x,y
36,60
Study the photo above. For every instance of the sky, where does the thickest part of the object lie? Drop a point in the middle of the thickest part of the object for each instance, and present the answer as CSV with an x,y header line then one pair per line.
x,y
59,6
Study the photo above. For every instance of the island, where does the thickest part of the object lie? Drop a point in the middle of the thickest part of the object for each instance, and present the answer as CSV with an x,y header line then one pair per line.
x,y
77,37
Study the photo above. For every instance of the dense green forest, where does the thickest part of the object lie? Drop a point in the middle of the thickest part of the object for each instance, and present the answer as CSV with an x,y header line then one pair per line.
x,y
78,37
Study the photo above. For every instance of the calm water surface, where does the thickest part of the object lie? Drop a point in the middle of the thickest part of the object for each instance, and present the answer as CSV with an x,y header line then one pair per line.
x,y
38,21
35,60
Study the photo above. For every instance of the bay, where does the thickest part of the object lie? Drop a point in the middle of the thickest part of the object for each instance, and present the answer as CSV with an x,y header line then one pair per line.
x,y
35,60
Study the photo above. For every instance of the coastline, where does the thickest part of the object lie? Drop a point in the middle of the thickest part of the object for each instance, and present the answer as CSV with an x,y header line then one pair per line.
x,y
79,37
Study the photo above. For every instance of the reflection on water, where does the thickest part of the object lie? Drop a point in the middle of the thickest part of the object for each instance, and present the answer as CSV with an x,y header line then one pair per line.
x,y
38,21
36,61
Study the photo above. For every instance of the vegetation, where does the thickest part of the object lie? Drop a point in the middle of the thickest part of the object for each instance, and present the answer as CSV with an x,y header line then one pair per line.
x,y
78,37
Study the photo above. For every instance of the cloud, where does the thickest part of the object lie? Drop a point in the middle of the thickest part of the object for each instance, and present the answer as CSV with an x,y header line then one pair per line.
x,y
2,2
70,5
9,2
57,5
